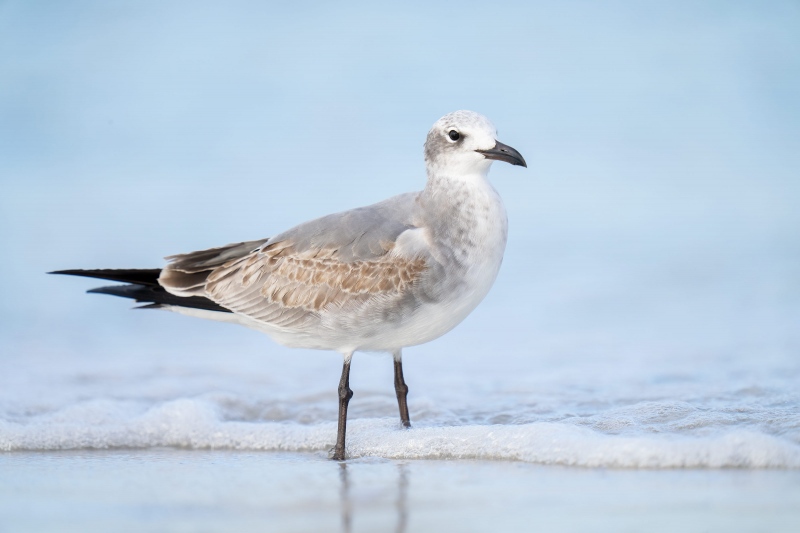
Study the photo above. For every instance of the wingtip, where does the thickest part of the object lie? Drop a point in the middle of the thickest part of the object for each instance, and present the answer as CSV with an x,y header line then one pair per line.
x,y
149,306
72,272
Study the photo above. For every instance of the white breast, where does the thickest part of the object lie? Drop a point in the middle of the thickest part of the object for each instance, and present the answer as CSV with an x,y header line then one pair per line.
x,y
467,248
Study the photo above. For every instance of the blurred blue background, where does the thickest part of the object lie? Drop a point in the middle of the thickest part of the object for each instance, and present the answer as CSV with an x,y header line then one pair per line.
x,y
658,217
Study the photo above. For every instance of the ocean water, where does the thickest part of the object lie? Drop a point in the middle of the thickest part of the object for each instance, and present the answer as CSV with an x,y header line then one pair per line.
x,y
709,390
647,312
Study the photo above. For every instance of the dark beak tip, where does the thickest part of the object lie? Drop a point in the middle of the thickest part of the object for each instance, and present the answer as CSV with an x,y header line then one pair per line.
x,y
503,152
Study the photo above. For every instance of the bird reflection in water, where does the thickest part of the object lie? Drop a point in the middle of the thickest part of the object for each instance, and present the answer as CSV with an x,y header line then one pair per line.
x,y
400,504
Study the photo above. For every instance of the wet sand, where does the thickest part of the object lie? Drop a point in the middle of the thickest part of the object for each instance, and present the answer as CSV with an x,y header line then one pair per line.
x,y
190,490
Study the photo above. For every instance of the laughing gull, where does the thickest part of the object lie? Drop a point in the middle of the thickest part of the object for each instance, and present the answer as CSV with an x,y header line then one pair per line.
x,y
379,278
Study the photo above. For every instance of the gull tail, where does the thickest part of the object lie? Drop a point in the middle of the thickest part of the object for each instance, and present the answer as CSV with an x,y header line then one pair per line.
x,y
143,287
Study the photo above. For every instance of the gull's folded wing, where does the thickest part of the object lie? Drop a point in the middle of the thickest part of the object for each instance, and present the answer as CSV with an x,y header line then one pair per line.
x,y
338,260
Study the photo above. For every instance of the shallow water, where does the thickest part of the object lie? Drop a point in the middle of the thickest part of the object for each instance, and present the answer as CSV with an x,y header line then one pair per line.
x,y
177,490
638,369
552,401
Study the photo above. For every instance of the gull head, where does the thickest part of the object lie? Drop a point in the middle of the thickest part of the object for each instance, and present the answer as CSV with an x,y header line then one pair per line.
x,y
465,142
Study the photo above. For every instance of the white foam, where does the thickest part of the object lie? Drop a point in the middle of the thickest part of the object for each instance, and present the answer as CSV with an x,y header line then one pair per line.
x,y
564,444
199,423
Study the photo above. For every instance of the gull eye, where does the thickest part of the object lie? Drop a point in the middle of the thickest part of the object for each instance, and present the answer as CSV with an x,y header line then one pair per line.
x,y
454,135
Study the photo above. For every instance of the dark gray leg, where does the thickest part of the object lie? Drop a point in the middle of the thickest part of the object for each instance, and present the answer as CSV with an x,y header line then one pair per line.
x,y
344,398
401,389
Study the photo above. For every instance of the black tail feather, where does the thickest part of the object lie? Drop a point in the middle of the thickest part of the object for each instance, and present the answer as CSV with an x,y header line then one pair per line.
x,y
137,276
143,287
157,297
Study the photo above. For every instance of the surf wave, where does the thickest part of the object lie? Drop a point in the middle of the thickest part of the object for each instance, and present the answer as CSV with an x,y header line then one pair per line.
x,y
200,424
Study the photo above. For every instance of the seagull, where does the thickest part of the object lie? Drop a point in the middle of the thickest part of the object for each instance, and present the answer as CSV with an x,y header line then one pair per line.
x,y
379,278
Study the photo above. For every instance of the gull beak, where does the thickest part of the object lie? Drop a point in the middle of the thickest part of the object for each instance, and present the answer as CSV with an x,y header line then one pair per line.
x,y
503,152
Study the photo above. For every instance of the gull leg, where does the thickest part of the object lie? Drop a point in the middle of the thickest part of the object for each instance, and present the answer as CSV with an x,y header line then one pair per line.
x,y
401,389
344,398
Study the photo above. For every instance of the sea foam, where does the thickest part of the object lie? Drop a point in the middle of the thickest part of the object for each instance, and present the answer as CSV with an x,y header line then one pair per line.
x,y
198,423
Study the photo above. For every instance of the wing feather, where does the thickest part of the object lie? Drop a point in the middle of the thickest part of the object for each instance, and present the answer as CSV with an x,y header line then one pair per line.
x,y
339,261
280,285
